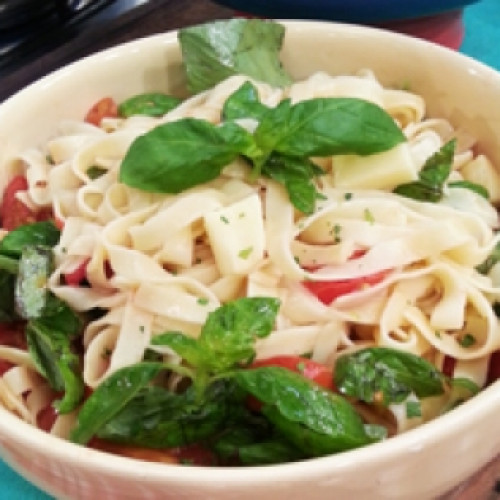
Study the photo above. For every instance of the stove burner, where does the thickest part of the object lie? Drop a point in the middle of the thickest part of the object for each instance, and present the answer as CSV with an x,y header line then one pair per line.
x,y
30,27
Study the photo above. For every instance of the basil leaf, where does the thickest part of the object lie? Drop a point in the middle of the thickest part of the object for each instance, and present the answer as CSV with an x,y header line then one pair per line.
x,y
315,420
35,266
110,397
181,154
268,452
379,374
462,389
53,356
214,51
95,172
328,126
296,175
40,233
486,266
148,104
158,418
244,103
472,186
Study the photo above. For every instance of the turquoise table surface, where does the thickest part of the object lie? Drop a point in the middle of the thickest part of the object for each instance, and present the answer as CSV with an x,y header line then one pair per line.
x,y
482,42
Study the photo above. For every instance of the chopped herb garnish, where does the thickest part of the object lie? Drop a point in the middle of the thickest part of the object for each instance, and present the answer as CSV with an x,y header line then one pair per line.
x,y
348,196
245,253
95,172
336,233
224,219
203,301
368,216
467,340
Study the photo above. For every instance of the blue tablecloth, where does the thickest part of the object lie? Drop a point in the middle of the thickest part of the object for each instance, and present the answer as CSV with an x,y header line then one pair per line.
x,y
482,41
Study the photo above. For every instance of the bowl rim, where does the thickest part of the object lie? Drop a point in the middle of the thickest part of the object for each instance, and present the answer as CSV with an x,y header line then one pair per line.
x,y
412,441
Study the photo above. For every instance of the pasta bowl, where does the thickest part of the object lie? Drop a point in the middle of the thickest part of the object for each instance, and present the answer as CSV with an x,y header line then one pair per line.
x,y
423,462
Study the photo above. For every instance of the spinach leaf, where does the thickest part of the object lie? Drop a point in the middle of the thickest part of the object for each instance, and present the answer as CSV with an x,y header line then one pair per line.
x,y
35,266
214,51
432,176
492,259
149,104
244,103
328,126
111,397
39,233
54,358
181,154
384,375
315,420
228,335
158,418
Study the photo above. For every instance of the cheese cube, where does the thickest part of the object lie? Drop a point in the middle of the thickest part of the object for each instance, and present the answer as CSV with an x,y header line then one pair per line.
x,y
236,234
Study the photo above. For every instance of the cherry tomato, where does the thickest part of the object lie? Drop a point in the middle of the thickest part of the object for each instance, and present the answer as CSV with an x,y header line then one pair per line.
x,y
328,291
104,108
75,277
311,370
14,212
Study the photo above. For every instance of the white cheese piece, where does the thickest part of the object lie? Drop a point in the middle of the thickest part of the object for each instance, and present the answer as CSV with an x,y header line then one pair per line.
x,y
378,171
236,234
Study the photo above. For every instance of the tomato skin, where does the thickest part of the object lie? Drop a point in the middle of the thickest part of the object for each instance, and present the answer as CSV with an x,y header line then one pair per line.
x,y
449,366
104,108
328,291
14,212
12,335
46,418
75,277
312,370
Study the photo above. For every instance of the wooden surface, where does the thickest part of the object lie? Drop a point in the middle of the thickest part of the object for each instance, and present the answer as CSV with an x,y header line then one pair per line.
x,y
158,16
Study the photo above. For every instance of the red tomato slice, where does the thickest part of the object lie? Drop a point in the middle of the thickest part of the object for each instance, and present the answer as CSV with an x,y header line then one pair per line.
x,y
46,418
5,366
14,212
75,277
104,108
328,291
449,366
493,368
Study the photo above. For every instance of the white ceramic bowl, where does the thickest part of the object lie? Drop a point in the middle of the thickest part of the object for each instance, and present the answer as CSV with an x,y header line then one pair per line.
x,y
420,464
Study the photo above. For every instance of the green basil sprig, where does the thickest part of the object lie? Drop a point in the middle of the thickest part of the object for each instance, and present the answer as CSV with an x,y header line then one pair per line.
x,y
178,155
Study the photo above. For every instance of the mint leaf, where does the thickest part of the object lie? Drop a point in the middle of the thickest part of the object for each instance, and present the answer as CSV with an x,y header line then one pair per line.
x,y
383,375
316,421
111,397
